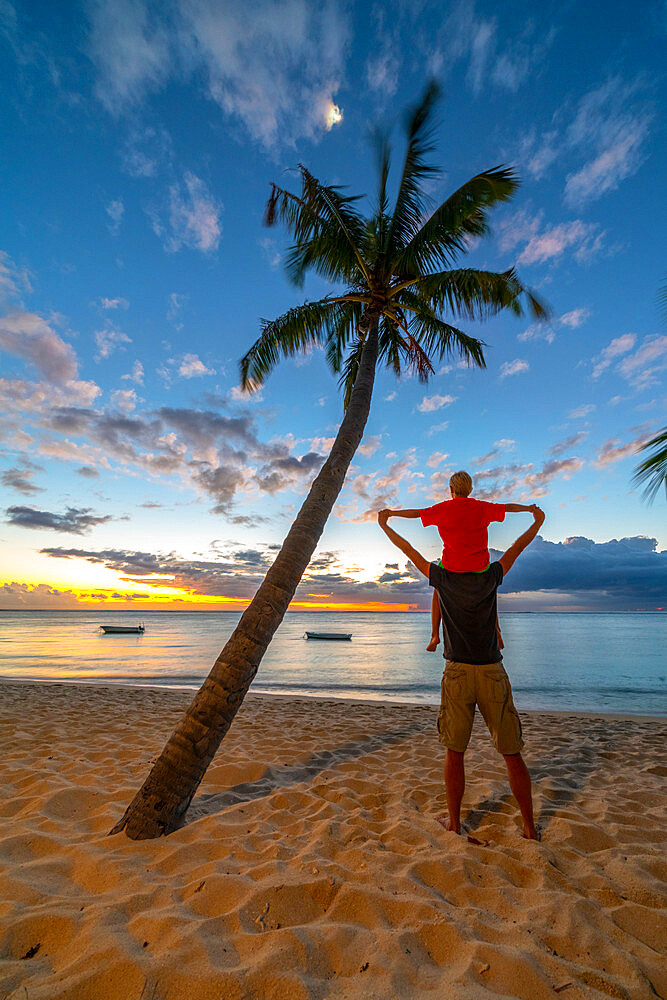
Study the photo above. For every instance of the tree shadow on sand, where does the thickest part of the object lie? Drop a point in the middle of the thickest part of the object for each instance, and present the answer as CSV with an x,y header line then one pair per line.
x,y
281,776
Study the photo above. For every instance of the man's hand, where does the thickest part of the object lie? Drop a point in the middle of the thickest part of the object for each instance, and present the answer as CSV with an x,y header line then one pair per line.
x,y
383,516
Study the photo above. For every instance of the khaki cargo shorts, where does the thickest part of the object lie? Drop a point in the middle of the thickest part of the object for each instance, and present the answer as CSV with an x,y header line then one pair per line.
x,y
465,685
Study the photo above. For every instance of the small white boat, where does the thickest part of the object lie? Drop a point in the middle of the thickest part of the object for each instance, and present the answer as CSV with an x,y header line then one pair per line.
x,y
328,635
122,629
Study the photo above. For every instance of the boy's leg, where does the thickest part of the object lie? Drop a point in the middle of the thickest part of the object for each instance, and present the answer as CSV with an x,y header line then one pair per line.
x,y
519,777
435,624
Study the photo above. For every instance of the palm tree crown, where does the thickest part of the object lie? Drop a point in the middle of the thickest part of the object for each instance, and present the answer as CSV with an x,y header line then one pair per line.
x,y
398,267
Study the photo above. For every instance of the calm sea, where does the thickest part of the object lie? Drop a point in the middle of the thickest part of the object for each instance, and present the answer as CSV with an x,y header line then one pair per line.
x,y
573,662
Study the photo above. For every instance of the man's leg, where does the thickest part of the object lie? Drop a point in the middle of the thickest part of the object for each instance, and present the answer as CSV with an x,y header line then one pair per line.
x,y
519,777
435,624
455,782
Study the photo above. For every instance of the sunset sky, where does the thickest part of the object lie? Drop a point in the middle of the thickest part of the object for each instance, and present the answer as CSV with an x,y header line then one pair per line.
x,y
138,142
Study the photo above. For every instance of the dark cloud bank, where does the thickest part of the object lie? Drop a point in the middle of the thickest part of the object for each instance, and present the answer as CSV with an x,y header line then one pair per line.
x,y
578,574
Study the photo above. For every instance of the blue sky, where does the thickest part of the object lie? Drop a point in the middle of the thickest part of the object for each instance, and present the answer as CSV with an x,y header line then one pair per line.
x,y
138,143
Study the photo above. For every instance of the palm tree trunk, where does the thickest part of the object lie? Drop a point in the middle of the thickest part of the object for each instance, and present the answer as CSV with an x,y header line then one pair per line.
x,y
160,803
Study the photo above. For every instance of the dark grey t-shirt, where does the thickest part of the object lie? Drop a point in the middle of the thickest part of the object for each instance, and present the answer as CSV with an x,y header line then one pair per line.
x,y
469,613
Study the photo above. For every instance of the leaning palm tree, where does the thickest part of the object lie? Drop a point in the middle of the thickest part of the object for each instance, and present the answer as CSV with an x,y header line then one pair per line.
x,y
398,272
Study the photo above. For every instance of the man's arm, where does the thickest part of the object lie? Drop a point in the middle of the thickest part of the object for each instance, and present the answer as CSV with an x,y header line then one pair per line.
x,y
517,508
401,543
402,513
514,551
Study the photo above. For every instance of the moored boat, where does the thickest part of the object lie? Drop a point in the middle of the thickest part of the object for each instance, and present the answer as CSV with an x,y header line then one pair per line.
x,y
122,629
328,635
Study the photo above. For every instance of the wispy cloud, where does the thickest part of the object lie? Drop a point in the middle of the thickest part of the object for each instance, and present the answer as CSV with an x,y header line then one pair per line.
x,y
13,279
130,49
584,238
614,450
618,346
136,375
118,303
607,137
115,210
193,217
505,444
642,368
274,66
146,152
567,443
384,62
547,330
549,243
75,520
521,480
20,478
192,366
581,412
467,36
435,402
26,335
514,367
124,399
613,122
109,340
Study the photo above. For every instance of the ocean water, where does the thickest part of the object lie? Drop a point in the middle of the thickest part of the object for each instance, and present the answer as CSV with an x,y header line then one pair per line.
x,y
567,662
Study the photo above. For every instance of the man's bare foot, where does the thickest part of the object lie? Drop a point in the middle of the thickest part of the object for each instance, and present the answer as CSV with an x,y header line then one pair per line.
x,y
532,832
433,644
448,824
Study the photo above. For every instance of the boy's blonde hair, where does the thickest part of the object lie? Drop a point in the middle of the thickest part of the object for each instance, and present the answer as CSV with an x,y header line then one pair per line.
x,y
460,484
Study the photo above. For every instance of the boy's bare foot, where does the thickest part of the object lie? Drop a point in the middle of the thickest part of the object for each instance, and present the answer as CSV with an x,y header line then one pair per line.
x,y
433,644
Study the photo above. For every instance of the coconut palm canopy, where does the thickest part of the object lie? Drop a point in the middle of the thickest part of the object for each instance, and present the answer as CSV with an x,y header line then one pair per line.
x,y
391,311
398,264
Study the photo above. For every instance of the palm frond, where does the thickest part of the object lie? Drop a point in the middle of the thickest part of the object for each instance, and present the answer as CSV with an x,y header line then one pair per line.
x,y
383,153
299,329
472,293
464,215
336,208
653,470
411,201
317,224
439,338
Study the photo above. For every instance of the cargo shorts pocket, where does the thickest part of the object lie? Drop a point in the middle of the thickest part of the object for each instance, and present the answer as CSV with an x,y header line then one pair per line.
x,y
454,683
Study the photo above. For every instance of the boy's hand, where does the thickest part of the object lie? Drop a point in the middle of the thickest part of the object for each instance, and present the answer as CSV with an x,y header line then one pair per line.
x,y
383,517
537,513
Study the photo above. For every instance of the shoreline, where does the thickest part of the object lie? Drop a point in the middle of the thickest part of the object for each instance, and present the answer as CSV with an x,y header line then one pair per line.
x,y
311,865
184,689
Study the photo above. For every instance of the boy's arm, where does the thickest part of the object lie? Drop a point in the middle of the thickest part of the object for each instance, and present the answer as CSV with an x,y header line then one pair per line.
x,y
514,551
402,513
401,543
517,508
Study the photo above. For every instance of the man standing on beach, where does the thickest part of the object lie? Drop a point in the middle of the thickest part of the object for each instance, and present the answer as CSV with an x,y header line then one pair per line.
x,y
474,674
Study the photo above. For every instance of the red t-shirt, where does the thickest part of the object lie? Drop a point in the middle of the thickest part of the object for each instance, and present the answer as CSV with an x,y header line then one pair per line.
x,y
462,523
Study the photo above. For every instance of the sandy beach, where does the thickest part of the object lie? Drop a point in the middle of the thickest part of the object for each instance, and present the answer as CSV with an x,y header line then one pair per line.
x,y
311,864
